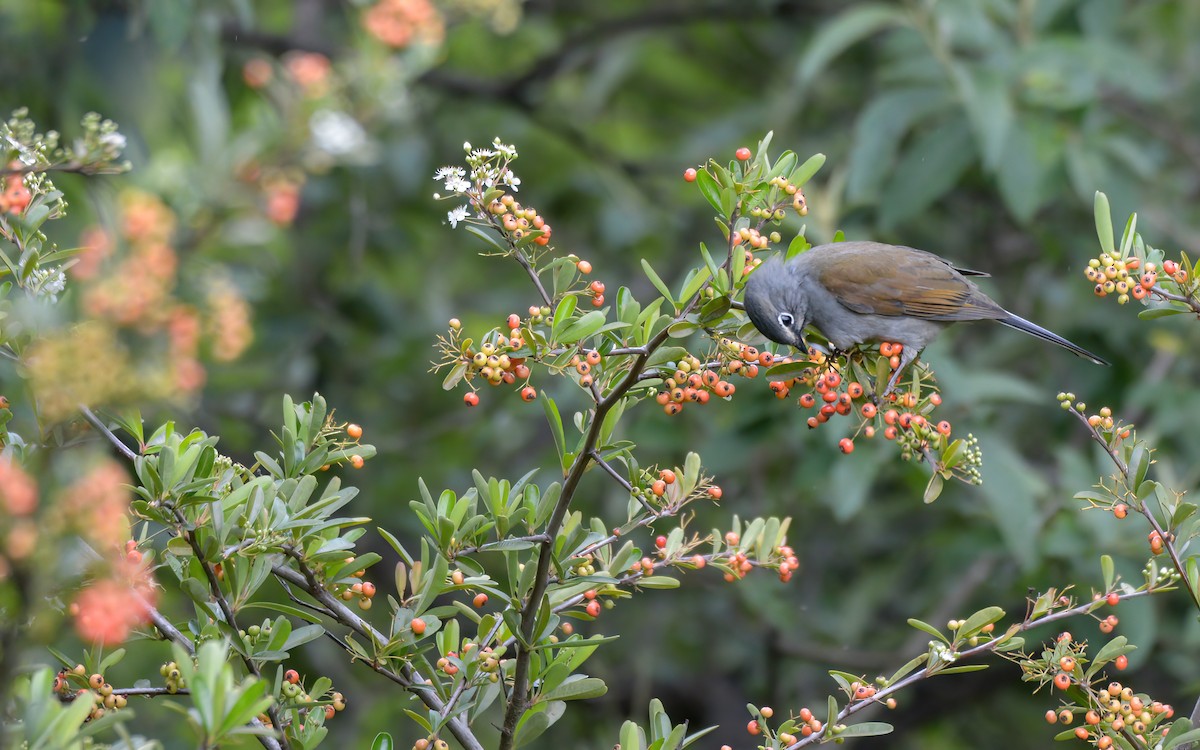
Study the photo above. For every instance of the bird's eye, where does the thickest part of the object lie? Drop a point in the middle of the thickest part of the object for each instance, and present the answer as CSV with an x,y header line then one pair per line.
x,y
786,319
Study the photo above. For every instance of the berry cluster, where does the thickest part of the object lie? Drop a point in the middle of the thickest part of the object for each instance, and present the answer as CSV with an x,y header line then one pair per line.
x,y
519,223
1117,275
801,724
1109,711
696,382
69,683
14,195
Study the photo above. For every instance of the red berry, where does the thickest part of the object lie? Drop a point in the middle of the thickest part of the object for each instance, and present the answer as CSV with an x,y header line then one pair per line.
x,y
291,676
1121,662
514,321
846,445
807,401
715,492
471,398
742,154
660,542
1113,599
584,267
528,393
597,287
869,410
689,175
598,300
593,608
1170,267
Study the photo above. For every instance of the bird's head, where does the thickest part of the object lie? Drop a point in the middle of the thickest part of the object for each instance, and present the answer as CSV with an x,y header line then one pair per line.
x,y
776,304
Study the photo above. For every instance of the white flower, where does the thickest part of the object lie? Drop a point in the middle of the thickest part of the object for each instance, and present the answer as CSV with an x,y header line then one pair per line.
x,y
482,153
507,151
466,145
513,181
457,215
453,177
336,132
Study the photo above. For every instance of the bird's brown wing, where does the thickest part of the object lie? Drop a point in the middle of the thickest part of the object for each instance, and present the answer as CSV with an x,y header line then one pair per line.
x,y
901,281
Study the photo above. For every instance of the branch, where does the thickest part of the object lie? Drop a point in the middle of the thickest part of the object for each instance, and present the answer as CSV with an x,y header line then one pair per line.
x,y
91,417
214,586
1191,302
306,579
520,692
1168,544
926,672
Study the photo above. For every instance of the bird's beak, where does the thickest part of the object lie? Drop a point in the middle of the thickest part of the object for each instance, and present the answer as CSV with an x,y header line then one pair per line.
x,y
803,345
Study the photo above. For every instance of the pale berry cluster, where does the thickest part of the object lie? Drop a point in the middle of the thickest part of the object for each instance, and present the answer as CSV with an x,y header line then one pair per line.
x,y
1119,276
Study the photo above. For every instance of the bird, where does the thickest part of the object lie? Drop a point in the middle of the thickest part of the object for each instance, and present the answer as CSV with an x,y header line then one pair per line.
x,y
861,291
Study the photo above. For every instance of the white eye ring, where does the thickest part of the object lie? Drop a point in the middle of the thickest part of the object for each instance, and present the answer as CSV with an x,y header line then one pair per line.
x,y
786,319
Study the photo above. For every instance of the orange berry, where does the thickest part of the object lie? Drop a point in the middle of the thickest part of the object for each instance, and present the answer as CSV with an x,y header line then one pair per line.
x,y
667,476
471,399
891,416
715,492
846,445
1092,718
854,390
659,487
1082,733
673,408
742,154
1062,680
1121,662
766,359
889,433
598,301
1120,510
935,399
894,362
291,676
869,410
514,321
689,175
753,727
1170,267
480,600
943,427
593,608
593,357
1113,598
357,461
807,401
584,267
1051,717
354,431
1067,664
528,393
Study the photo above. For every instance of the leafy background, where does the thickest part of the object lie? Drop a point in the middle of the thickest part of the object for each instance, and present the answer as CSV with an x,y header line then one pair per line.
x,y
978,130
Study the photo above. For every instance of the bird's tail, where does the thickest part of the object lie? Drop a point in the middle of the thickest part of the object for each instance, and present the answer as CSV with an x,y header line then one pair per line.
x,y
1019,323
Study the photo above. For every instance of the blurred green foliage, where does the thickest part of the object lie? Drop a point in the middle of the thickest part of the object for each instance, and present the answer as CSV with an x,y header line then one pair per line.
x,y
977,130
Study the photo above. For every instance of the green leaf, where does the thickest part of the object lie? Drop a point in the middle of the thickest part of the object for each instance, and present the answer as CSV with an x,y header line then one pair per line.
x,y
919,625
1104,227
658,582
805,171
582,328
866,729
577,687
963,669
454,376
930,167
878,132
383,741
1161,312
657,282
709,189
1106,568
977,621
843,32
556,425
934,488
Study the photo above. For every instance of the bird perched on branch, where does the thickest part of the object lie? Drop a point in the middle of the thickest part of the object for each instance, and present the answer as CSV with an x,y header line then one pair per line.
x,y
855,292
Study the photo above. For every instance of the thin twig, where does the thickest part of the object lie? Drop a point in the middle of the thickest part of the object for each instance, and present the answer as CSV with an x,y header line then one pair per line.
x,y
924,673
91,417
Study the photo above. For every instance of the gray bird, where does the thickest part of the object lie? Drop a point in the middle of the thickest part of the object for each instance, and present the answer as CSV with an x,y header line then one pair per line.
x,y
854,292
